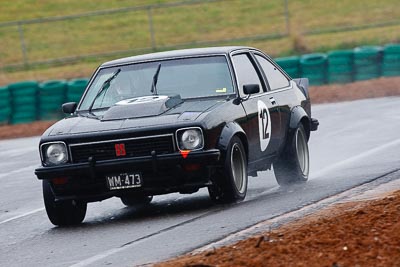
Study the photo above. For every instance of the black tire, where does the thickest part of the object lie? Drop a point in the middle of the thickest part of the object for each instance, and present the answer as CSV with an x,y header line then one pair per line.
x,y
138,200
294,164
62,213
230,183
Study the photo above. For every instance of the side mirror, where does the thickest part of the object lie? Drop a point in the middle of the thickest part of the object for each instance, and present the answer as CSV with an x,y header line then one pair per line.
x,y
250,89
69,107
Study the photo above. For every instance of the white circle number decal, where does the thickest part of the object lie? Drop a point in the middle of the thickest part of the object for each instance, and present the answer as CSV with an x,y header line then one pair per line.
x,y
264,125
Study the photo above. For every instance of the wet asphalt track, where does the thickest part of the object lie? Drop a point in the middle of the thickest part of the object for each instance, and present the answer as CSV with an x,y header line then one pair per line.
x,y
356,143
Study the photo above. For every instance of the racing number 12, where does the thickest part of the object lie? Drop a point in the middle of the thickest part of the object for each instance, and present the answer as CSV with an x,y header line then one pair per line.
x,y
264,121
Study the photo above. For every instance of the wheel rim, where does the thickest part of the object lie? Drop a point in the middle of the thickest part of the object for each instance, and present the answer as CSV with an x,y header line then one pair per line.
x,y
302,152
238,167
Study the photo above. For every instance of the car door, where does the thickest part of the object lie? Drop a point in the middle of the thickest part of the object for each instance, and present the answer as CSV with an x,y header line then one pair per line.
x,y
263,118
279,85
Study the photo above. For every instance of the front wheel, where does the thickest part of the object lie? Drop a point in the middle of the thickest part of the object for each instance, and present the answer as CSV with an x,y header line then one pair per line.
x,y
62,213
293,165
231,183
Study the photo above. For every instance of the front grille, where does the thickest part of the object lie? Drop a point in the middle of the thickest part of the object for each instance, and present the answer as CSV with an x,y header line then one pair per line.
x,y
136,147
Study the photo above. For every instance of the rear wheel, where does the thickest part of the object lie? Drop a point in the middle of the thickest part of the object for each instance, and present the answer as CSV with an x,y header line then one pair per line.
x,y
140,200
62,213
231,183
294,164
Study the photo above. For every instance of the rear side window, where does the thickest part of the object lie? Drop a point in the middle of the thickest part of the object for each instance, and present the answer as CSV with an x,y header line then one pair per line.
x,y
275,77
245,71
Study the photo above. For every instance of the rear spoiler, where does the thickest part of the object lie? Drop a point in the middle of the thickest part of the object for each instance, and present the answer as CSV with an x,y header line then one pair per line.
x,y
303,84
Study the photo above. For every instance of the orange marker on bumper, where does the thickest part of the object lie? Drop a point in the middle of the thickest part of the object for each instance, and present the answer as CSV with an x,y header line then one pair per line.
x,y
185,153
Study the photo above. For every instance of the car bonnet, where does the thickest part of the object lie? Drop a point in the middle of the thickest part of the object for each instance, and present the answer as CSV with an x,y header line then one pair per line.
x,y
188,110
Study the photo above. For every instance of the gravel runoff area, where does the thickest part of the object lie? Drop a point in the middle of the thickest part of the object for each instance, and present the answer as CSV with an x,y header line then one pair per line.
x,y
319,94
360,233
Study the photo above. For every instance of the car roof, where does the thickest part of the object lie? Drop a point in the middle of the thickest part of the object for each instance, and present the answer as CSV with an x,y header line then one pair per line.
x,y
175,54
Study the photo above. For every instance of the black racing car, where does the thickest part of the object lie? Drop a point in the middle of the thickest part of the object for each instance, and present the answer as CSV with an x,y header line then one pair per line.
x,y
176,122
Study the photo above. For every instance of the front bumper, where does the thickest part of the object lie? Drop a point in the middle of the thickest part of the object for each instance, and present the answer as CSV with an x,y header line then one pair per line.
x,y
161,174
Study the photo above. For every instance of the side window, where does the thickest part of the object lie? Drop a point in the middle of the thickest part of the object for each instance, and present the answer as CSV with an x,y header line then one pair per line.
x,y
275,78
245,72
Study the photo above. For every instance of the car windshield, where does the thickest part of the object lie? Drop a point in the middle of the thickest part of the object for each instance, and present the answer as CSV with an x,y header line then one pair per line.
x,y
188,77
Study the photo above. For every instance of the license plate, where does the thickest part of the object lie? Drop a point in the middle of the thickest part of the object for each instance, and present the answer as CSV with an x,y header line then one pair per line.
x,y
124,180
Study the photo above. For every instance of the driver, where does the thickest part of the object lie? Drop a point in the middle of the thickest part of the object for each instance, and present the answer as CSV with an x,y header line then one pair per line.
x,y
119,89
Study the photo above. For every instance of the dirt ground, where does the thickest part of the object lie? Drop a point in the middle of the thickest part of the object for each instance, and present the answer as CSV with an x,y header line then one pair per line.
x,y
24,130
358,90
319,94
364,233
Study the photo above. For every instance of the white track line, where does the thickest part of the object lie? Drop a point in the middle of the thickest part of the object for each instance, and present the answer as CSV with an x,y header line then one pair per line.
x,y
355,158
22,215
98,257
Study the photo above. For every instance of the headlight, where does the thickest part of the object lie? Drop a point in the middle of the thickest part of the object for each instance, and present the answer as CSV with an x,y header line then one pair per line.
x,y
54,153
190,139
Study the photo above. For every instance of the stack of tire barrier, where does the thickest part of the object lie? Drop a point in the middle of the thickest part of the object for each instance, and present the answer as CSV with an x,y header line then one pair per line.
x,y
313,66
367,62
75,89
51,96
5,105
340,66
290,65
391,60
23,101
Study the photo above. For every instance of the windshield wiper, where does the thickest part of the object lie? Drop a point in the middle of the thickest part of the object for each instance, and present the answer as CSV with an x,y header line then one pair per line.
x,y
155,80
103,88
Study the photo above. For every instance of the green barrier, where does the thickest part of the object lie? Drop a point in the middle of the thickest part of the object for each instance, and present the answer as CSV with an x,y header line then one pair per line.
x,y
5,101
392,49
57,99
367,62
23,101
4,92
340,66
4,110
75,89
22,118
25,109
291,65
52,94
50,113
22,85
5,105
340,57
5,113
313,67
51,105
391,60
